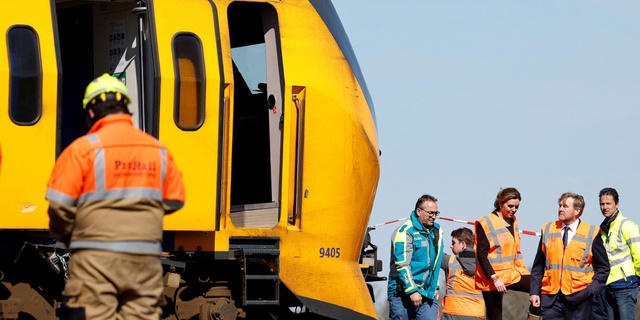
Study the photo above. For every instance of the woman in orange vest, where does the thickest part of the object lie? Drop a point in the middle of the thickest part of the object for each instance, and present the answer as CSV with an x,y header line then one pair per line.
x,y
500,265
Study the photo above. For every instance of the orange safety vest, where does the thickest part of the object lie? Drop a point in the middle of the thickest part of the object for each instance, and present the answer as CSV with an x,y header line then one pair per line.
x,y
462,297
504,253
568,269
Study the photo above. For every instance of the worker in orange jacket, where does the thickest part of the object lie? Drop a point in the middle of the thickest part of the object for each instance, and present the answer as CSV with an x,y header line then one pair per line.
x,y
462,300
108,193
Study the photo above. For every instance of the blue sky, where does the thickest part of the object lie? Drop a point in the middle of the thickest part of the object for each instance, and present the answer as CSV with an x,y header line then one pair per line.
x,y
472,96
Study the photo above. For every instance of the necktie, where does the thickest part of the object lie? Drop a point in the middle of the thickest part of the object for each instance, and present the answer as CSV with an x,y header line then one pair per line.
x,y
564,236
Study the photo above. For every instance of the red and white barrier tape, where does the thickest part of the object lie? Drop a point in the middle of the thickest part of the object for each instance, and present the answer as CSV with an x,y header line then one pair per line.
x,y
388,222
531,233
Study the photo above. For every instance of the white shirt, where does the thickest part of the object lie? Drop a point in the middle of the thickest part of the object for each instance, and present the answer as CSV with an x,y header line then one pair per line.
x,y
572,229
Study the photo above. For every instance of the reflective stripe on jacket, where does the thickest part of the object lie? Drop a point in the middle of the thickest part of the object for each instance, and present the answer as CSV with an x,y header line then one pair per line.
x,y
568,269
462,297
504,253
623,248
110,189
415,262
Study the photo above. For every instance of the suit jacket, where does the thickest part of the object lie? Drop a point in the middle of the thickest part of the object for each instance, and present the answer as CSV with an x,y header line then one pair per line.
x,y
601,273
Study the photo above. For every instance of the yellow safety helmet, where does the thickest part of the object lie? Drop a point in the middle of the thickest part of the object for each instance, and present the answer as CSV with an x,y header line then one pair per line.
x,y
98,88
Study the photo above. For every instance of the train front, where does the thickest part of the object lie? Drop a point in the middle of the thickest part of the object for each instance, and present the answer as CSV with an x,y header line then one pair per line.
x,y
340,167
300,171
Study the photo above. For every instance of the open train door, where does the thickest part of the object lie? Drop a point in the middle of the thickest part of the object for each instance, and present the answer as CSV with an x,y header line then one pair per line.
x,y
188,90
30,73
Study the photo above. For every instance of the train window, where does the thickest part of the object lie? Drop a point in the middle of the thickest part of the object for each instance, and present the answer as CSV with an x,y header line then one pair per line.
x,y
257,115
251,64
25,80
190,82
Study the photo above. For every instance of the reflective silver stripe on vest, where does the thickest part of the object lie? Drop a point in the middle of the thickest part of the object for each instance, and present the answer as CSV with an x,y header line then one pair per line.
x,y
554,266
621,260
163,170
589,244
93,138
129,193
500,259
621,245
493,233
633,240
546,235
462,293
119,246
616,252
453,268
579,238
57,196
578,269
100,171
554,235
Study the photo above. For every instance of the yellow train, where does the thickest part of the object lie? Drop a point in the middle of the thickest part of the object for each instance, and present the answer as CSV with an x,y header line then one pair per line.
x,y
266,112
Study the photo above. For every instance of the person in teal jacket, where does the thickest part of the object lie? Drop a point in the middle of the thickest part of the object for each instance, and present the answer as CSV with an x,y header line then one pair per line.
x,y
416,255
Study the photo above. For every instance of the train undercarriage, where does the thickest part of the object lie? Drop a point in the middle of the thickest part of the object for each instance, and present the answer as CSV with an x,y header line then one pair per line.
x,y
33,273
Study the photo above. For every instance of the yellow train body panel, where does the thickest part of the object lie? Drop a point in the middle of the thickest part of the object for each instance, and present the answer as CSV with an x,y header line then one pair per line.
x,y
28,150
194,151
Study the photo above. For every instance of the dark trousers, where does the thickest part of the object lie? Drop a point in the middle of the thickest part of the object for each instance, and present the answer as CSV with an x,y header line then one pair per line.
x,y
493,299
561,309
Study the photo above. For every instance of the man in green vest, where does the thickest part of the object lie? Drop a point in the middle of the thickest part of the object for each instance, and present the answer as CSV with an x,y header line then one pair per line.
x,y
622,241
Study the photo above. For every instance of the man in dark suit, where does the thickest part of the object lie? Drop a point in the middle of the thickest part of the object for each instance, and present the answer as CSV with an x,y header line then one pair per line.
x,y
572,261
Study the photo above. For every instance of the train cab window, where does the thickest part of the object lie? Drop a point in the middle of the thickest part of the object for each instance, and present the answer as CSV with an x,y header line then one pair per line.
x,y
190,83
25,81
257,115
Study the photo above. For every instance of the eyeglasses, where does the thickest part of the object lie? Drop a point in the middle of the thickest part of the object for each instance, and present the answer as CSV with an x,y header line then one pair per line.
x,y
435,214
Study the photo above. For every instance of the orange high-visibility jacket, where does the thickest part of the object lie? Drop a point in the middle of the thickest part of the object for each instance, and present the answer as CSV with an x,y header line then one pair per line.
x,y
568,269
462,297
110,189
504,253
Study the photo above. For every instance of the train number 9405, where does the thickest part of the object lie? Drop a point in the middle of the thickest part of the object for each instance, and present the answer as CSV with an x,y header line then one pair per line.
x,y
330,253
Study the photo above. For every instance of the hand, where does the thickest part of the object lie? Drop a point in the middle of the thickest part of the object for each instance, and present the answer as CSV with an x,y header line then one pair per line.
x,y
500,286
535,300
416,299
437,295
